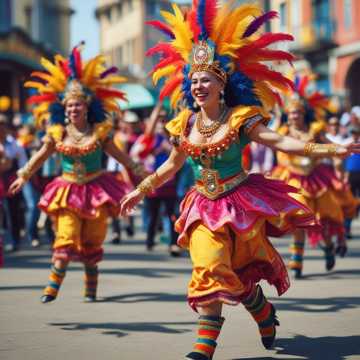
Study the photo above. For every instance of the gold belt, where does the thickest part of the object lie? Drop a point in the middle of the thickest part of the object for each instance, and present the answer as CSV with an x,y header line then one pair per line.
x,y
81,178
212,187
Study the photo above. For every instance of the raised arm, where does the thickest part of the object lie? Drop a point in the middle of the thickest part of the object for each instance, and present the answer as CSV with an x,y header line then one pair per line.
x,y
33,165
163,174
287,144
134,168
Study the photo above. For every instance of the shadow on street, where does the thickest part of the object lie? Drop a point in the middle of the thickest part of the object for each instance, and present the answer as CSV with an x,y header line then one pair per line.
x,y
123,329
327,348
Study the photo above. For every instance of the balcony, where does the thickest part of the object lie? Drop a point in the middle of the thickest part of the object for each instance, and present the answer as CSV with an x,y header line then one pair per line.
x,y
315,37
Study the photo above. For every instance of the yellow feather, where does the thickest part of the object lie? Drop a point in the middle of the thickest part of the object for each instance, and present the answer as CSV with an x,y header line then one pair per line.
x,y
53,69
165,71
181,30
220,18
264,94
35,85
175,97
90,69
230,23
112,80
59,58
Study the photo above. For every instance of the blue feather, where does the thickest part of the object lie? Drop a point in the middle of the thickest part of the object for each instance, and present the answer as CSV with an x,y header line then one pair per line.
x,y
96,112
72,66
201,11
57,113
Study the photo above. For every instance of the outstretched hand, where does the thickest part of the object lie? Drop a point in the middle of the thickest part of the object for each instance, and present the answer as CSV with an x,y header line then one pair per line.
x,y
129,201
17,185
347,150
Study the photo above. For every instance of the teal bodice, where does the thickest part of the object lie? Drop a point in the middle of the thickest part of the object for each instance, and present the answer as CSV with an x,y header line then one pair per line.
x,y
227,164
89,163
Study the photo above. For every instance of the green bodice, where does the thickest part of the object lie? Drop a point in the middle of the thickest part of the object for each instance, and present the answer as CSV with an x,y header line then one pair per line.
x,y
227,164
89,163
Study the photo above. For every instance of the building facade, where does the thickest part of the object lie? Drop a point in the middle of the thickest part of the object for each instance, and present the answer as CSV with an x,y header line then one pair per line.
x,y
124,36
29,29
327,41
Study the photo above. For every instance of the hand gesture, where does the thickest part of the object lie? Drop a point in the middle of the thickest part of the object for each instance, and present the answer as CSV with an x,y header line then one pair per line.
x,y
17,185
129,201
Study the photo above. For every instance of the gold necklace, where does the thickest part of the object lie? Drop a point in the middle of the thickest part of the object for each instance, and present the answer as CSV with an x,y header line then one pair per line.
x,y
75,134
209,130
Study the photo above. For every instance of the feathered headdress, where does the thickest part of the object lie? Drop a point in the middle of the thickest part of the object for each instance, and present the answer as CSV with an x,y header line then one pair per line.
x,y
314,104
225,41
71,78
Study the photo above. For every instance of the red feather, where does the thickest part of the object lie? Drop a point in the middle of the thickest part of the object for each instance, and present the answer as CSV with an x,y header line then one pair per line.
x,y
263,41
103,93
170,86
35,99
278,98
163,48
210,14
178,64
77,58
303,83
65,67
161,26
270,55
192,20
260,72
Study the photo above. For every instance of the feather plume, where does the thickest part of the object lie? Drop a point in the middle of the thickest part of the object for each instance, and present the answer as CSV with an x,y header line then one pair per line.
x,y
303,83
260,72
35,99
192,20
163,48
52,69
206,13
181,29
258,22
264,40
170,86
165,29
109,71
90,68
35,85
232,21
269,55
103,93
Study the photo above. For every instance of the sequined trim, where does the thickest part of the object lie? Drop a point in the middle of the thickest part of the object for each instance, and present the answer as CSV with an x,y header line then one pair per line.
x,y
212,187
74,177
252,122
75,150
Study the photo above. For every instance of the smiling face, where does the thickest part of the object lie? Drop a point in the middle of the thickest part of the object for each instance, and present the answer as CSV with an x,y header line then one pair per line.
x,y
296,118
205,88
75,110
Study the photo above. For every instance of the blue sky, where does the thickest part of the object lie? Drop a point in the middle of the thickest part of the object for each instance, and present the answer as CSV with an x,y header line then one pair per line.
x,y
84,26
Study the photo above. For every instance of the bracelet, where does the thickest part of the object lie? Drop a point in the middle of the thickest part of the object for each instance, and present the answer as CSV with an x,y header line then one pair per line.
x,y
320,149
24,172
149,184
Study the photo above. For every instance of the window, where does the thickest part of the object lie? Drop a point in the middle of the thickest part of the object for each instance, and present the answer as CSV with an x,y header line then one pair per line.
x,y
347,14
130,5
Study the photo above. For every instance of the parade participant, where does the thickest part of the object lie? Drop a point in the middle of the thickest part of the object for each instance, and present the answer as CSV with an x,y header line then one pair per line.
x,y
317,181
212,63
78,98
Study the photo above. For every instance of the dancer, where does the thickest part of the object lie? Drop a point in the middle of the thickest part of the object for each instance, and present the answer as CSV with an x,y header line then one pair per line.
x,y
78,98
212,63
317,181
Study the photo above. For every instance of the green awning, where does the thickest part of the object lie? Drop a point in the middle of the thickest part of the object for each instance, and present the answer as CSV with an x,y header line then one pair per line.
x,y
138,95
20,60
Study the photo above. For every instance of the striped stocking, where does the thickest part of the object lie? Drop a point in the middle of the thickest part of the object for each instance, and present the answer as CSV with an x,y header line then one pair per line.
x,y
263,313
91,281
208,331
55,280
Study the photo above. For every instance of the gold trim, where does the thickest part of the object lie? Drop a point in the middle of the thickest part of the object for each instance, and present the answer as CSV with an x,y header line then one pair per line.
x,y
75,178
212,186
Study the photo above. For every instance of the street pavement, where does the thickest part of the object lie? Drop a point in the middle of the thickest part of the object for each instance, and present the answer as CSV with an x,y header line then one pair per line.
x,y
142,312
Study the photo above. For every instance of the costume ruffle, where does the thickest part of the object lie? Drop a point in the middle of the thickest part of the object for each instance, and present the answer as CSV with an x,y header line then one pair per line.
x,y
255,202
318,190
84,199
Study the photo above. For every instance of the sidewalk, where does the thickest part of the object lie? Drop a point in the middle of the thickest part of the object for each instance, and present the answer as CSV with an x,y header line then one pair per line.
x,y
142,312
